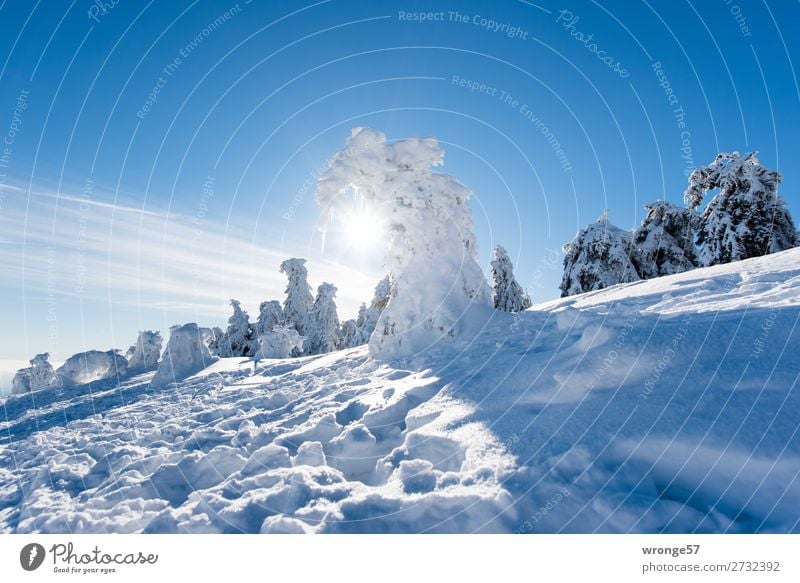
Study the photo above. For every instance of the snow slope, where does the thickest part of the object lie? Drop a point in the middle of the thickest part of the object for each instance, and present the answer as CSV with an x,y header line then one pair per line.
x,y
668,405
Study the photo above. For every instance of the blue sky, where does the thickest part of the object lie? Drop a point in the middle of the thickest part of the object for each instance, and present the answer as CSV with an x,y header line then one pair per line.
x,y
122,212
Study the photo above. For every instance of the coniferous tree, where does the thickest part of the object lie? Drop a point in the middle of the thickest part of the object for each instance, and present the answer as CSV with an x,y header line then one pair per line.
x,y
508,294
144,355
270,314
322,322
664,242
239,338
598,257
211,337
186,353
348,332
432,257
280,342
746,218
39,375
299,298
368,316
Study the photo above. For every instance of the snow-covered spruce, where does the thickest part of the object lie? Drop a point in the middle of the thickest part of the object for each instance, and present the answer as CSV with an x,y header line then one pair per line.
x,y
348,331
212,337
39,375
270,314
357,332
368,319
280,342
185,355
508,293
432,257
299,298
664,242
143,356
598,257
240,337
92,365
746,218
321,323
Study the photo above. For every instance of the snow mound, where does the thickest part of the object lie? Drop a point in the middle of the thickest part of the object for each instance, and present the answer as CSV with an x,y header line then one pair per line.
x,y
93,365
667,405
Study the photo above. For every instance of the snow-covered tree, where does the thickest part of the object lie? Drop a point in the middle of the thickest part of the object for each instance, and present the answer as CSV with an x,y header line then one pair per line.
x,y
426,217
746,218
358,331
270,314
598,257
90,366
21,383
144,355
280,342
239,338
39,375
508,294
322,322
211,337
348,331
664,242
299,298
185,355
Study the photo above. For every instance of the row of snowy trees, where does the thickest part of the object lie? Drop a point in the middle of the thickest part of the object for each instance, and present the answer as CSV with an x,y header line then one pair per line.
x,y
303,325
745,218
89,366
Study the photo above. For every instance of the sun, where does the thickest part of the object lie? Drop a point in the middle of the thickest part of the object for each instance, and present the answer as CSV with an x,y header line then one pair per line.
x,y
362,228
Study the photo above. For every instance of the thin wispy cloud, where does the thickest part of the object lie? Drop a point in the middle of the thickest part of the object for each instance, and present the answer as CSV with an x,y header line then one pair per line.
x,y
116,207
70,246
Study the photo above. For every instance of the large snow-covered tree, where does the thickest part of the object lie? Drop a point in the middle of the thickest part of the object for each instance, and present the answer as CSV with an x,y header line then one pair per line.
x,y
299,298
239,338
321,323
598,257
508,293
426,217
270,314
280,342
746,218
39,375
186,354
143,356
664,242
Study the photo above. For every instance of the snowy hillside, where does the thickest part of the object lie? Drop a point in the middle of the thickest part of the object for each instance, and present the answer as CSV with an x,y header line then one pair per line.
x,y
662,405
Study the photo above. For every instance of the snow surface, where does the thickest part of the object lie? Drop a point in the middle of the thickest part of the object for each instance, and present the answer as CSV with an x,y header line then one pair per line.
x,y
667,405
